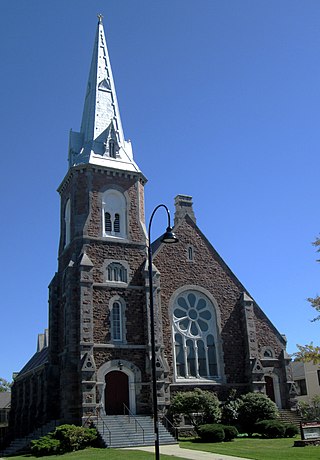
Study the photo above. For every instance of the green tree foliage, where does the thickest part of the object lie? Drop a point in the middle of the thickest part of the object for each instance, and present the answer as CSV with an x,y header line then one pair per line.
x,y
5,385
200,406
253,408
310,411
310,352
230,409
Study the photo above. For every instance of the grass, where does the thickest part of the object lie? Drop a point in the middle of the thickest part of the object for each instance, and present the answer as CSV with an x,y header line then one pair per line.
x,y
251,448
99,454
258,449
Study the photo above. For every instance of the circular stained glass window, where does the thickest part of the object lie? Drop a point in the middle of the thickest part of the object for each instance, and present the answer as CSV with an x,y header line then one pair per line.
x,y
192,314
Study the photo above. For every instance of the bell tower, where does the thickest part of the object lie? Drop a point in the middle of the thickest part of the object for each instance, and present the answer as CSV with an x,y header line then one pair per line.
x,y
97,306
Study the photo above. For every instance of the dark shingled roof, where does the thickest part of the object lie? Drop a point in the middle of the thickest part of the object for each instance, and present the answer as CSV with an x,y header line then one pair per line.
x,y
5,399
39,358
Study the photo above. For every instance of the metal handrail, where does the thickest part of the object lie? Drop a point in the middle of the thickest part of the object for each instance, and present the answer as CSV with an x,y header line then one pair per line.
x,y
104,425
172,427
130,414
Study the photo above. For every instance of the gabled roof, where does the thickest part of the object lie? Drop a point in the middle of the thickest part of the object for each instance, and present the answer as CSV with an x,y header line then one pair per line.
x,y
37,360
157,245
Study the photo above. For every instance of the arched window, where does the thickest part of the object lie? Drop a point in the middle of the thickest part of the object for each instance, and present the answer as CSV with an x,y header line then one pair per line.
x,y
116,321
195,333
67,218
190,253
107,222
116,272
114,214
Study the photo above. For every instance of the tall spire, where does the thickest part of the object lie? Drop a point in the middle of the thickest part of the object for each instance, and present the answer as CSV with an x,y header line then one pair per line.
x,y
101,140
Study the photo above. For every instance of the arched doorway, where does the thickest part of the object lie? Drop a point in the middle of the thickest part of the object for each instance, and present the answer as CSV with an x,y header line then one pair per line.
x,y
270,388
116,392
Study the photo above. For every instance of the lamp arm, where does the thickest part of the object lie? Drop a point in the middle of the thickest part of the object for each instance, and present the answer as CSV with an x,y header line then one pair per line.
x,y
151,219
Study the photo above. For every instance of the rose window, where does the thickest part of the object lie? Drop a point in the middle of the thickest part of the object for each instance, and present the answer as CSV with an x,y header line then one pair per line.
x,y
194,329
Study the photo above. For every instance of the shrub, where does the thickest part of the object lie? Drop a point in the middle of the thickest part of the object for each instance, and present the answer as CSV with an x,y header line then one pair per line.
x,y
291,430
74,437
253,408
65,438
230,408
46,445
211,432
230,432
200,406
271,428
310,411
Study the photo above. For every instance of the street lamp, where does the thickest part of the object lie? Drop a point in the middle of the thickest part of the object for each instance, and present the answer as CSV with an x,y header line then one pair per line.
x,y
168,237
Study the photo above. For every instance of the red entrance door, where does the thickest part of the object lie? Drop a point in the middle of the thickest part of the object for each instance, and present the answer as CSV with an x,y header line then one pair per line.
x,y
116,392
269,388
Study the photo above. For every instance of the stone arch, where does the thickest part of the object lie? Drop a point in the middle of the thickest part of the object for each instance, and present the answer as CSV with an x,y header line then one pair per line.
x,y
134,379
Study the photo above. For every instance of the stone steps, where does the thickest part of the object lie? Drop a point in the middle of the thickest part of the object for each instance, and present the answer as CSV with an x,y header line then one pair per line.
x,y
21,445
289,416
125,431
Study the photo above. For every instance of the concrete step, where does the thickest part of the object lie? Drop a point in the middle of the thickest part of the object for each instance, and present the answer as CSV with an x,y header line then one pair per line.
x,y
127,431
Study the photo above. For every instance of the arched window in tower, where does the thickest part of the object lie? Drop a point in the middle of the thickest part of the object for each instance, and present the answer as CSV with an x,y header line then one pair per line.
x,y
67,218
116,321
107,222
114,214
116,272
195,332
117,223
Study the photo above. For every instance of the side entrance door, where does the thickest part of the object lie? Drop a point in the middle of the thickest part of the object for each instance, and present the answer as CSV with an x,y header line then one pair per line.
x,y
116,392
270,388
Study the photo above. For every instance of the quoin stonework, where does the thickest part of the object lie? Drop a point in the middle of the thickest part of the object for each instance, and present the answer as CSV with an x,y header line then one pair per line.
x,y
95,356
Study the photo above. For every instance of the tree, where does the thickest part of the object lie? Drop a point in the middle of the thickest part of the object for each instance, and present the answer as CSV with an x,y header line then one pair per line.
x,y
4,385
200,406
310,352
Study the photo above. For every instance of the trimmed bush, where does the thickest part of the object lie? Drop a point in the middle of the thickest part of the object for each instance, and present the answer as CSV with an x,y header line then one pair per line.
x,y
46,445
200,406
253,408
211,432
65,438
271,428
291,430
74,437
230,432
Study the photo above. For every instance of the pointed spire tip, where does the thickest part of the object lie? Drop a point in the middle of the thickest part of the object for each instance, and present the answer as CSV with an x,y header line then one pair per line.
x,y
100,17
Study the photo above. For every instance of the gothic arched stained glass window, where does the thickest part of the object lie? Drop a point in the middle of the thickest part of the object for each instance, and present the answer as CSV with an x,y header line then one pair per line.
x,y
195,330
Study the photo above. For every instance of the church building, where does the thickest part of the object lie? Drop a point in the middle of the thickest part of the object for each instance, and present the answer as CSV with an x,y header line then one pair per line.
x,y
95,357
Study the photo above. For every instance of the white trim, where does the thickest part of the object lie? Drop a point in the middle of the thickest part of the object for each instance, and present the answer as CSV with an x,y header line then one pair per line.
x,y
114,202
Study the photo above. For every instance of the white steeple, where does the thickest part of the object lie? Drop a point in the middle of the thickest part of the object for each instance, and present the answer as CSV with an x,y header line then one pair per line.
x,y
101,140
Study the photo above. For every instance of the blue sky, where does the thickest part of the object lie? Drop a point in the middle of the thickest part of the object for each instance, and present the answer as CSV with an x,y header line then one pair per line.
x,y
221,100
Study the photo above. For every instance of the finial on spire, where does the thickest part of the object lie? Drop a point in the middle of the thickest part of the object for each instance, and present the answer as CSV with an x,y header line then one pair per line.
x,y
100,17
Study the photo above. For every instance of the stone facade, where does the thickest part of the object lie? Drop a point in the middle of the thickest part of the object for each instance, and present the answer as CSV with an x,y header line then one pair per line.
x,y
210,333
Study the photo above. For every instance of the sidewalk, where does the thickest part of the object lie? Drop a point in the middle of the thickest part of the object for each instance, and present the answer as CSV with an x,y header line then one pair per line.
x,y
189,454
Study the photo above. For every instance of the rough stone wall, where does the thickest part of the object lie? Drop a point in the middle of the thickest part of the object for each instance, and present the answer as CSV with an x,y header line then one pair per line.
x,y
208,271
205,271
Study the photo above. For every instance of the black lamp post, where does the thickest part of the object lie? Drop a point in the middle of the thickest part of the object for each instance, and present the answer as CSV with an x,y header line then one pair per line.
x,y
167,237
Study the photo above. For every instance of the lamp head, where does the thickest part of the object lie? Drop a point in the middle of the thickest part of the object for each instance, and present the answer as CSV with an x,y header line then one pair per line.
x,y
169,236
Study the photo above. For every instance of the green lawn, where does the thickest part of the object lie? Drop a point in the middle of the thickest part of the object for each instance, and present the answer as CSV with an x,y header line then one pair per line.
x,y
99,454
258,449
